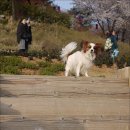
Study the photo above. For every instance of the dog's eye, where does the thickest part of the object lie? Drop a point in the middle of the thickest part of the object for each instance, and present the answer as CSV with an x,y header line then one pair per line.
x,y
89,46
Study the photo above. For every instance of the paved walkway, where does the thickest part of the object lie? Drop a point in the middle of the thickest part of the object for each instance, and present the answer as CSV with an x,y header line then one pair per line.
x,y
60,103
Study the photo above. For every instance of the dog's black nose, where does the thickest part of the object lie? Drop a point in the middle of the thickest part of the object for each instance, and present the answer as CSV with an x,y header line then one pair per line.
x,y
92,50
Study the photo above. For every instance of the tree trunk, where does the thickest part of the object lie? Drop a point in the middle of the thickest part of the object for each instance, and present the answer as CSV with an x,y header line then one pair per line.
x,y
123,35
113,25
101,26
14,9
108,25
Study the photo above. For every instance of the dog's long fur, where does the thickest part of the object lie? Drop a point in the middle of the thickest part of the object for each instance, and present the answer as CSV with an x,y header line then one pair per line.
x,y
78,62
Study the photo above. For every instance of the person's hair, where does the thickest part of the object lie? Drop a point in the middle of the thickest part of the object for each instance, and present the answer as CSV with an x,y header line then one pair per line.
x,y
21,20
113,31
108,34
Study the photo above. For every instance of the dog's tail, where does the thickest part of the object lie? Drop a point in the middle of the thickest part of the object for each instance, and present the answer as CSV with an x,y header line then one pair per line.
x,y
67,50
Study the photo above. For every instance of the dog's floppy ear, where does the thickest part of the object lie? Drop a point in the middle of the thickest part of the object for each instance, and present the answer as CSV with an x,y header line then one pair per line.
x,y
84,45
98,49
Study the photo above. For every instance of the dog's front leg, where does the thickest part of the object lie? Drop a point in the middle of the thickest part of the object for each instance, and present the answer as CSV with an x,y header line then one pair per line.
x,y
67,69
86,74
78,70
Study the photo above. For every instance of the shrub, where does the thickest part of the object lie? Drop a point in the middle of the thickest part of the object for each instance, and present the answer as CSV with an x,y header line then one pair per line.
x,y
49,54
38,54
54,54
104,58
123,61
5,7
128,61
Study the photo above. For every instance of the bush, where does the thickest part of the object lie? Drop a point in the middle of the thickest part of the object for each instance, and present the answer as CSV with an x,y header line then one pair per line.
x,y
53,54
49,54
104,58
128,61
123,61
38,54
5,7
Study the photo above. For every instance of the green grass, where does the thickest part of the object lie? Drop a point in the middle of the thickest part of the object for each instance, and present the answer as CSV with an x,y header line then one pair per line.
x,y
28,66
44,64
14,65
10,60
53,69
10,65
9,70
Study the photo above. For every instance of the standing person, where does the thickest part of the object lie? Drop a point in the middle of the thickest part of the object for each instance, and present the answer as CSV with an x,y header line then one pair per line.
x,y
21,36
28,40
96,26
114,48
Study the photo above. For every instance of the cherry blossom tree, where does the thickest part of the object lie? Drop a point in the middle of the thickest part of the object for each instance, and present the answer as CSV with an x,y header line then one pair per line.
x,y
115,14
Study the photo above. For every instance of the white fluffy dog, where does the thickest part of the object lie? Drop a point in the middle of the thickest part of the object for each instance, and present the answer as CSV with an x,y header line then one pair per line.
x,y
78,62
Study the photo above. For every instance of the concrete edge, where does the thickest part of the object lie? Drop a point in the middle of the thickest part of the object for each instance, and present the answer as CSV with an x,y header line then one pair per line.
x,y
124,74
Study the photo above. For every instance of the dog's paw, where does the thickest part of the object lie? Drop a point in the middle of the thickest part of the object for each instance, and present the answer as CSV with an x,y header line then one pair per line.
x,y
87,76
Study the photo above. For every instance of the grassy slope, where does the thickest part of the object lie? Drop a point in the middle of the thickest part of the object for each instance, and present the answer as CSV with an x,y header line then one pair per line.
x,y
49,36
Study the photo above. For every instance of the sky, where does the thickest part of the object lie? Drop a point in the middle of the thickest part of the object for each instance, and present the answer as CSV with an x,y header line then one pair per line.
x,y
64,4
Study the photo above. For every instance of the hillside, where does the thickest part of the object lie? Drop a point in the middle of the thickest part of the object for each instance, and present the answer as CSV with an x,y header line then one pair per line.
x,y
50,38
48,35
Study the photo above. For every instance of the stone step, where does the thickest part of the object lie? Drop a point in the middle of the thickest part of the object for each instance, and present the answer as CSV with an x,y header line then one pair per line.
x,y
64,103
66,123
64,106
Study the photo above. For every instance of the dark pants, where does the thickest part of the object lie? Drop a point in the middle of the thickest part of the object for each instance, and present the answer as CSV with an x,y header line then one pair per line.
x,y
26,46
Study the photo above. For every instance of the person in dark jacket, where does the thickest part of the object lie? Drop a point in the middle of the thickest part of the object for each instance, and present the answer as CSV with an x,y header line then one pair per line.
x,y
114,40
28,41
22,35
